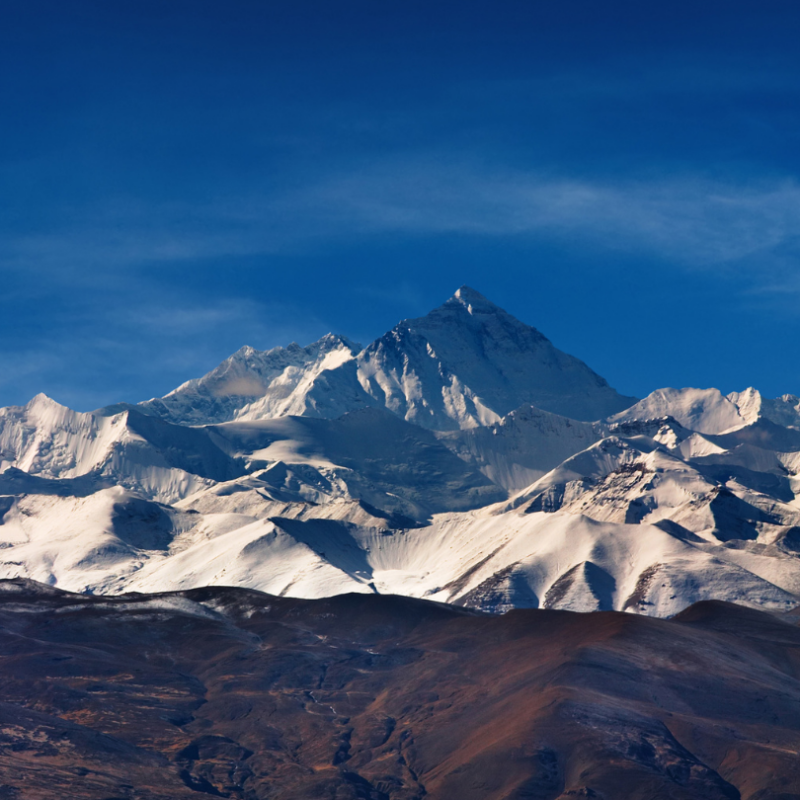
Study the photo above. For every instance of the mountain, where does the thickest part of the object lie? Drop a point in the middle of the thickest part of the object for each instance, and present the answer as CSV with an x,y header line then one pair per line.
x,y
254,384
646,516
417,466
224,692
783,411
467,363
709,411
49,442
426,516
701,410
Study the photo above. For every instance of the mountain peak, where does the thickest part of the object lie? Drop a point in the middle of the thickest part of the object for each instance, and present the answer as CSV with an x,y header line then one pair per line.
x,y
468,363
473,301
41,402
335,341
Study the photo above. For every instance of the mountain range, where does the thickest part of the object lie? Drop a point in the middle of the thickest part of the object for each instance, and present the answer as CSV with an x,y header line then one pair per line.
x,y
460,457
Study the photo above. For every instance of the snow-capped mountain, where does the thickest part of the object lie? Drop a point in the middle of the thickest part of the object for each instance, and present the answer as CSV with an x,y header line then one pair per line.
x,y
460,458
254,384
44,441
467,363
709,411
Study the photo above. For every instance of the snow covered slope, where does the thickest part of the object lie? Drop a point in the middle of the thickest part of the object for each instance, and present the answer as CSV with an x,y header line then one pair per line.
x,y
701,410
376,457
709,411
752,405
523,445
649,517
46,441
461,457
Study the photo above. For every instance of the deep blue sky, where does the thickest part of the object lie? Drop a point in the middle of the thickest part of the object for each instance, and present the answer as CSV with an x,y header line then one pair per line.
x,y
182,177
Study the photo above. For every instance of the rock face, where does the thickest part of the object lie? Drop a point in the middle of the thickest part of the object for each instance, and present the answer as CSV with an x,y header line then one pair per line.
x,y
224,692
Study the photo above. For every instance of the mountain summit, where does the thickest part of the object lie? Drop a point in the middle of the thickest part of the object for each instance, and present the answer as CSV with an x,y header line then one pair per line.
x,y
473,301
253,384
469,362
465,364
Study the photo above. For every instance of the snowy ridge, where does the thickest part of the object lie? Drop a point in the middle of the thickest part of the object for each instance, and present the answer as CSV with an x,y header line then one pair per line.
x,y
784,410
48,439
701,410
460,457
254,384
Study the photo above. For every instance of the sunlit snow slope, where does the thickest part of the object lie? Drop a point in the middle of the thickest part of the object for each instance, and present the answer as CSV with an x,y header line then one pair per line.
x,y
460,457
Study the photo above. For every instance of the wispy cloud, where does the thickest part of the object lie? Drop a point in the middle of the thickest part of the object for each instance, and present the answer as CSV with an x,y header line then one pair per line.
x,y
691,221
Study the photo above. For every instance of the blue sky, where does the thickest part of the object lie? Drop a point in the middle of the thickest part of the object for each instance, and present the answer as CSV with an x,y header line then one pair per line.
x,y
180,178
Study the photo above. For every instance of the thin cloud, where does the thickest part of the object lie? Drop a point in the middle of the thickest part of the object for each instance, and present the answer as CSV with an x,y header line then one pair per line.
x,y
690,221
240,387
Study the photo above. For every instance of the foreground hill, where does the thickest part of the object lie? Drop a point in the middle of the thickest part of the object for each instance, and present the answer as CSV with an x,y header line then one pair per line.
x,y
231,693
